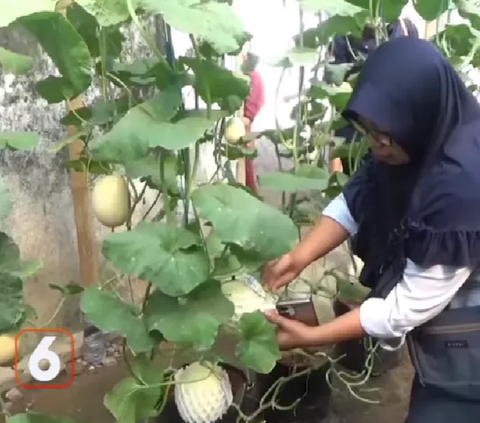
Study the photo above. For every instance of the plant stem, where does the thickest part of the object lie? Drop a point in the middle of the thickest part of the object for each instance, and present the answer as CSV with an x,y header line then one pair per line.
x,y
298,117
166,199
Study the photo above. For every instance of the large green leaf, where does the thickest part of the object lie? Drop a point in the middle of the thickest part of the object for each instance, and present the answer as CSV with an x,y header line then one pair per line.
x,y
305,177
241,219
390,9
87,26
14,10
468,9
10,262
351,151
132,136
12,305
302,56
216,84
258,348
335,73
336,24
18,140
457,41
170,257
63,44
14,63
185,132
143,72
134,398
193,319
332,7
337,95
431,9
211,21
107,12
34,417
149,167
100,113
110,314
55,89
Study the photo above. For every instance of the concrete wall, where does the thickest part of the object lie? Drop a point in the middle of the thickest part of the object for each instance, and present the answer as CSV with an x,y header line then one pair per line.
x,y
42,218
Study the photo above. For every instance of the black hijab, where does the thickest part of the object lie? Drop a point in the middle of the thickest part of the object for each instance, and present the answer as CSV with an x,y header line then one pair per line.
x,y
429,210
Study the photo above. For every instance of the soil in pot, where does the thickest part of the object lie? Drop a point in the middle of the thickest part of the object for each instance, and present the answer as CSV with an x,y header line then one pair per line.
x,y
355,353
240,389
312,388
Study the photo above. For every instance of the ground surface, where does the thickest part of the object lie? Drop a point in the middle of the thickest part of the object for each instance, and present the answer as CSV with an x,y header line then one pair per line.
x,y
83,401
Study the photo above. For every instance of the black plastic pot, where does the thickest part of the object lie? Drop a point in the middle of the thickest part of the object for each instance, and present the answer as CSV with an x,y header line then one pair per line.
x,y
355,353
240,389
313,390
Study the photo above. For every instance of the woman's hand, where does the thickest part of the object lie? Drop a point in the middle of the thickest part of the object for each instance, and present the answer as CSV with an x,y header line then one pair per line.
x,y
323,238
280,272
291,333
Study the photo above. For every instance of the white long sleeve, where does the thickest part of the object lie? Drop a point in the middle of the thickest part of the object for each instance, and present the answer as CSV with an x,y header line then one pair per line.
x,y
420,296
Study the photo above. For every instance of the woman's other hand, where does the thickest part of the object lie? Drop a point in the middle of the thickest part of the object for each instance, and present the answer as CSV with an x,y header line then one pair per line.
x,y
291,333
323,238
280,272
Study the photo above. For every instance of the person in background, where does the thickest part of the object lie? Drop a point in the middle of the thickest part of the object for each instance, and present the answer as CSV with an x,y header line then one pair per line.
x,y
344,49
253,104
412,210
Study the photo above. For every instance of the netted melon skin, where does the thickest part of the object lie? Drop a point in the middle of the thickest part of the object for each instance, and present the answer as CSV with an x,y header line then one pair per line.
x,y
205,400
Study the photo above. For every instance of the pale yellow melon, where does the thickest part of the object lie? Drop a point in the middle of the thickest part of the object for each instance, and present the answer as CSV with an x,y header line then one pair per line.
x,y
234,130
7,350
110,200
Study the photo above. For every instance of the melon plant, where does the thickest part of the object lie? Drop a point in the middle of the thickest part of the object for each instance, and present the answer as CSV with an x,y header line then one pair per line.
x,y
194,250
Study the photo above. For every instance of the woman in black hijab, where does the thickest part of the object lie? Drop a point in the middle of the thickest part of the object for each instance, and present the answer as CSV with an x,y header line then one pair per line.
x,y
413,212
347,49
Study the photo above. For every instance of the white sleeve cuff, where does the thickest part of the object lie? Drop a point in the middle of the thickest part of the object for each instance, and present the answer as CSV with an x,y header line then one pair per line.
x,y
420,296
392,344
338,210
373,319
